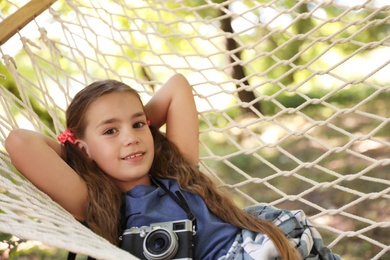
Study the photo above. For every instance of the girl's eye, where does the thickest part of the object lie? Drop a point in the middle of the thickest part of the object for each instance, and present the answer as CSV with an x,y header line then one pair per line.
x,y
110,131
139,124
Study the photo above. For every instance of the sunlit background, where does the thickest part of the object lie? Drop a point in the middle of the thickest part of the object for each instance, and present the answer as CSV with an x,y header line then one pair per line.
x,y
292,95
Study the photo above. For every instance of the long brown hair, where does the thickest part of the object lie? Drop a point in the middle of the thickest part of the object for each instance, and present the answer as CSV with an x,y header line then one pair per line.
x,y
168,163
104,204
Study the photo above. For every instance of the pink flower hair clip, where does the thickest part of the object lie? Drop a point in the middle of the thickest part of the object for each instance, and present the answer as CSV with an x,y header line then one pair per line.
x,y
67,135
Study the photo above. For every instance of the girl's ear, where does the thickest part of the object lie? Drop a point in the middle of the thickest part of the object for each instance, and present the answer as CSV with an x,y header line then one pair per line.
x,y
82,146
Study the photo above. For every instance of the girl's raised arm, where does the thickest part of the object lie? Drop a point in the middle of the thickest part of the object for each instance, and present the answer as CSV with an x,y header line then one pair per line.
x,y
174,105
38,158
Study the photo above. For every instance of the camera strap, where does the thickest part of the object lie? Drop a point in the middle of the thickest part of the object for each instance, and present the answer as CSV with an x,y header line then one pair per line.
x,y
179,199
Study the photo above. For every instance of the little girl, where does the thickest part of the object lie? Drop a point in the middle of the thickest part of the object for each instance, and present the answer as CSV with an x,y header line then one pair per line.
x,y
112,156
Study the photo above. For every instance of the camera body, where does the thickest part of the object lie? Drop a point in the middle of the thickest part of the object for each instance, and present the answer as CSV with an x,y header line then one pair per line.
x,y
164,240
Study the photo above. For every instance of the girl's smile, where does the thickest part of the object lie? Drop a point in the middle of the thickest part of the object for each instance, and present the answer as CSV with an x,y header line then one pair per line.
x,y
134,157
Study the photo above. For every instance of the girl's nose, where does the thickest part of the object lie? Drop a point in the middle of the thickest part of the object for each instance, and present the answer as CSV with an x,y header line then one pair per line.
x,y
131,138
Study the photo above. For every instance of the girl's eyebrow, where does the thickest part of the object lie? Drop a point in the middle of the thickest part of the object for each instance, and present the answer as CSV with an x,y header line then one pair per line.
x,y
114,120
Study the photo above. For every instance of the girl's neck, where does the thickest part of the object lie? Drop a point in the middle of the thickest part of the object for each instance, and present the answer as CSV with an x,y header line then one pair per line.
x,y
126,186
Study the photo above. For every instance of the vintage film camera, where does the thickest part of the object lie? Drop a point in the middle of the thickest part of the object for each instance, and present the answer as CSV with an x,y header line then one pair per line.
x,y
165,240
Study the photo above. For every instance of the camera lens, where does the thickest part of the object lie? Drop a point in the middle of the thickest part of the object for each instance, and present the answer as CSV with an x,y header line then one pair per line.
x,y
160,244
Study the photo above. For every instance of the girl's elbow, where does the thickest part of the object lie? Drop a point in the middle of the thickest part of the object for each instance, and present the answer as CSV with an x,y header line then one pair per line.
x,y
181,80
12,140
15,141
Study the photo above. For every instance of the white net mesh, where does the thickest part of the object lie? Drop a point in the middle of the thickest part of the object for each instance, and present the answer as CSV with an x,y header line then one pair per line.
x,y
293,100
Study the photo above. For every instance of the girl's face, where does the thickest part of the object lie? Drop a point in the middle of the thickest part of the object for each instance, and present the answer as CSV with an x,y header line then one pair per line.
x,y
118,139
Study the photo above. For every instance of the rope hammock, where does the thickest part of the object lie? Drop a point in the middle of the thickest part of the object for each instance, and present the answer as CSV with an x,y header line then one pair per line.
x,y
293,101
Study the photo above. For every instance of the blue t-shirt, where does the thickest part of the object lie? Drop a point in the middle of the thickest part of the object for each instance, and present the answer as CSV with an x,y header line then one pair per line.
x,y
150,204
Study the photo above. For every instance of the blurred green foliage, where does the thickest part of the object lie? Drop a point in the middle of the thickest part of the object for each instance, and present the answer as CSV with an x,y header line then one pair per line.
x,y
276,46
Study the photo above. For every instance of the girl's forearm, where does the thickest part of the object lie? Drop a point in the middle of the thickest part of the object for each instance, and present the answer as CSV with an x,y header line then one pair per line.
x,y
37,157
174,105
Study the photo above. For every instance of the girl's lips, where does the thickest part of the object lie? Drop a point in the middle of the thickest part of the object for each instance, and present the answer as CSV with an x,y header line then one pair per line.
x,y
133,156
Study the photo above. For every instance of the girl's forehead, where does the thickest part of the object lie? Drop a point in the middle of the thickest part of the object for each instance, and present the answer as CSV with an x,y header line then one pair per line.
x,y
118,103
